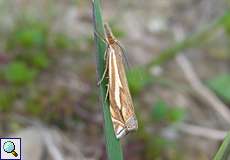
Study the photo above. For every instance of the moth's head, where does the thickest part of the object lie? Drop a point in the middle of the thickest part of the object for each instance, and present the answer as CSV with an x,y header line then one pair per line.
x,y
108,33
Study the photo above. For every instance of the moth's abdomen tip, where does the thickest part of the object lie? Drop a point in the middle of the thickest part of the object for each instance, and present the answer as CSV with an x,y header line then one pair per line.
x,y
132,123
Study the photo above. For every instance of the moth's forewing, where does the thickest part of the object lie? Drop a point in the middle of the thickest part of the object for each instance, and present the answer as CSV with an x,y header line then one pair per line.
x,y
119,127
121,105
127,109
115,109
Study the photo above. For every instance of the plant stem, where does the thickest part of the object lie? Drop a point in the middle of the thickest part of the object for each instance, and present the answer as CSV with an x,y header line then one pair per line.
x,y
113,146
192,40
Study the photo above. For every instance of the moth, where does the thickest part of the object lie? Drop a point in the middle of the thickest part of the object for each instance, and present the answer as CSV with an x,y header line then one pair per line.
x,y
120,102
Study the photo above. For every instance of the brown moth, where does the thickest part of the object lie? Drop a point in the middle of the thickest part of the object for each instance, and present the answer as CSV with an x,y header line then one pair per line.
x,y
121,105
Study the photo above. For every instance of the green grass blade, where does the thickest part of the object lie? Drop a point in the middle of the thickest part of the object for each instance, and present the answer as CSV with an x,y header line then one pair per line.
x,y
113,146
224,150
194,39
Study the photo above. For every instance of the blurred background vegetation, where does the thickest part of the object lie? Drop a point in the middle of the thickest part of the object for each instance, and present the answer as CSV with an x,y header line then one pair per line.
x,y
48,76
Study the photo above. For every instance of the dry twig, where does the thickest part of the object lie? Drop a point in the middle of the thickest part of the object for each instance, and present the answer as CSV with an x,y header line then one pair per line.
x,y
202,131
53,150
204,93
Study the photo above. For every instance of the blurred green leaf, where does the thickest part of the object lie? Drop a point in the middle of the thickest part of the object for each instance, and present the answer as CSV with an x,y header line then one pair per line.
x,y
138,78
163,112
28,35
61,41
35,58
6,100
176,114
221,85
155,147
227,25
34,106
159,111
29,38
40,60
18,73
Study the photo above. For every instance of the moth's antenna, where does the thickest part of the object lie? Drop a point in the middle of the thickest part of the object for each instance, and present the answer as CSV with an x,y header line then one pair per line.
x,y
111,40
123,54
100,37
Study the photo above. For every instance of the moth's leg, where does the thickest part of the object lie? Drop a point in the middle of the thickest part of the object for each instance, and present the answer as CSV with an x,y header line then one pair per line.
x,y
107,92
104,40
106,50
100,37
106,67
103,76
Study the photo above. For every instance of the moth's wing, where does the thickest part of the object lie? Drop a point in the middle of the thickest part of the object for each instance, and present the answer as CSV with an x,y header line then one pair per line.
x,y
118,125
127,108
117,119
124,56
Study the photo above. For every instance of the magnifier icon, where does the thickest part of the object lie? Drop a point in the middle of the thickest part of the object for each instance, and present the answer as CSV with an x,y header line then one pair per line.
x,y
9,147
